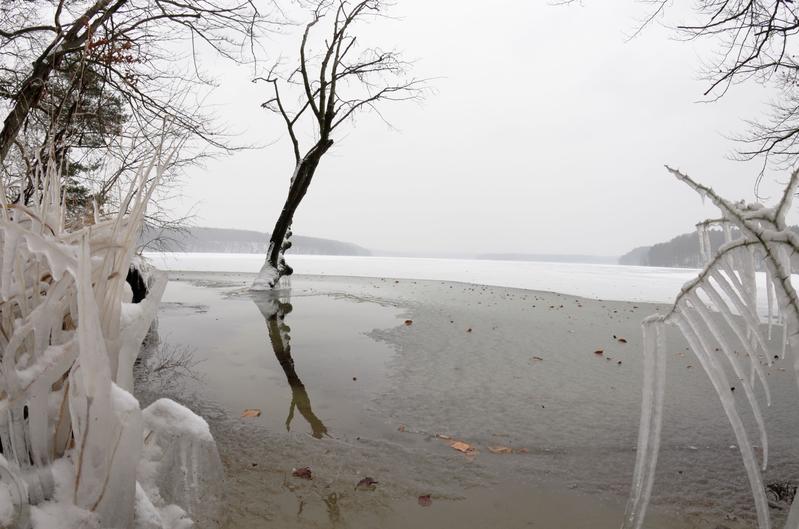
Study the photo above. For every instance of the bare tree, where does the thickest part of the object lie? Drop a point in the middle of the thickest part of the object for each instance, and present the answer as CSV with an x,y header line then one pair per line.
x,y
757,41
126,42
334,83
89,81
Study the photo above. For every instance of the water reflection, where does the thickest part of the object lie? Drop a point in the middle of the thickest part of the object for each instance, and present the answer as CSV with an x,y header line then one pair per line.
x,y
164,365
274,310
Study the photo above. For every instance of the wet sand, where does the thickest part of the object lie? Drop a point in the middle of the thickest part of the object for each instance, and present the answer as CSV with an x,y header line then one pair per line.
x,y
348,389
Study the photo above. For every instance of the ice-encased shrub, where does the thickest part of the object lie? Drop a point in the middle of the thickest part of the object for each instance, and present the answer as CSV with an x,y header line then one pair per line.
x,y
69,337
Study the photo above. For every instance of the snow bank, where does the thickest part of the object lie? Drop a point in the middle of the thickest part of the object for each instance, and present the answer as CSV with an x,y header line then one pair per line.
x,y
180,469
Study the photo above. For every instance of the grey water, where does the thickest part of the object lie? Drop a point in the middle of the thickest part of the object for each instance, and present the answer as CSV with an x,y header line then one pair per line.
x,y
345,386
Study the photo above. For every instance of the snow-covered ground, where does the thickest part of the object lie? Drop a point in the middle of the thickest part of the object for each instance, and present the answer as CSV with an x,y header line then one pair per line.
x,y
612,282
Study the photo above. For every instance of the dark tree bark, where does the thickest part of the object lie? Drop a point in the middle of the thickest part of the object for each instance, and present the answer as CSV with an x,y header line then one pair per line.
x,y
374,76
301,181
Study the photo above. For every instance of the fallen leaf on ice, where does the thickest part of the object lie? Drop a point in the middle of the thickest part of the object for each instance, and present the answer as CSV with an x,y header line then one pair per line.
x,y
366,483
408,322
251,412
460,446
536,359
500,450
622,340
425,500
302,473
599,352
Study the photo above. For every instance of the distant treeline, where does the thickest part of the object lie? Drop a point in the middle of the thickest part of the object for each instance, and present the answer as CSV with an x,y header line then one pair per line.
x,y
680,252
217,240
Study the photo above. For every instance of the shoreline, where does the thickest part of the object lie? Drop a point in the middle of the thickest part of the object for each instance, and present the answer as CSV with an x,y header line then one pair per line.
x,y
199,275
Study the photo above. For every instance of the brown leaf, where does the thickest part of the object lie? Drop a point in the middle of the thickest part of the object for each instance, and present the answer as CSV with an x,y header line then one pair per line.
x,y
520,451
599,352
622,340
460,446
366,483
408,323
469,329
500,450
425,500
251,412
302,473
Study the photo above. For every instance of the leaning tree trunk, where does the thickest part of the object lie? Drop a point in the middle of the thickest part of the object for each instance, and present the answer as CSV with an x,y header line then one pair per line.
x,y
275,266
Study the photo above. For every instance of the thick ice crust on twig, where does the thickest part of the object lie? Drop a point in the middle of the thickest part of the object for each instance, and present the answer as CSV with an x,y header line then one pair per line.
x,y
717,314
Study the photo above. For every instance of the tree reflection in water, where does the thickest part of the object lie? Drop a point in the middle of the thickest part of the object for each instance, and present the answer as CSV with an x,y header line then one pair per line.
x,y
274,310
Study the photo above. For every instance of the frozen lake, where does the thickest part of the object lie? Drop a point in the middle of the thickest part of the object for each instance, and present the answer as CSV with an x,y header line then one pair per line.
x,y
596,281
612,282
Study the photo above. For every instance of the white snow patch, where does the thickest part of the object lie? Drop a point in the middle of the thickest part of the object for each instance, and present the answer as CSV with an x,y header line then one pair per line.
x,y
62,515
180,469
167,417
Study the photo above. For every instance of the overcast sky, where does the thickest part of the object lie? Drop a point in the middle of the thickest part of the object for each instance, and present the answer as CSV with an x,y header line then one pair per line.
x,y
547,133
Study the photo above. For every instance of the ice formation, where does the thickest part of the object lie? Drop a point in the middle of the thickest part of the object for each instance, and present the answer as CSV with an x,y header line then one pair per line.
x,y
717,314
72,435
181,466
267,278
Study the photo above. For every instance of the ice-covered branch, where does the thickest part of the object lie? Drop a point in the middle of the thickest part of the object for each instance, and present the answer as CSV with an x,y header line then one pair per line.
x,y
717,314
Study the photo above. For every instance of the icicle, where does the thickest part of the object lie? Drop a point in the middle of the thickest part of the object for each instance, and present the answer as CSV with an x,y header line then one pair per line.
x,y
651,422
697,339
722,307
751,322
735,282
751,277
728,351
769,300
784,342
700,233
783,298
